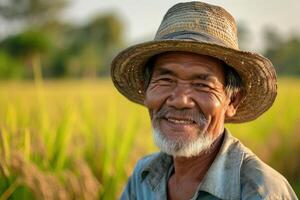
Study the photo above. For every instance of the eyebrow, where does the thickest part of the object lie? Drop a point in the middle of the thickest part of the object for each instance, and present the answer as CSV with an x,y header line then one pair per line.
x,y
163,71
205,76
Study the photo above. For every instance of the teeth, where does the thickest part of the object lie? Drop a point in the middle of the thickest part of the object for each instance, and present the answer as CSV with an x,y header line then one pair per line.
x,y
177,121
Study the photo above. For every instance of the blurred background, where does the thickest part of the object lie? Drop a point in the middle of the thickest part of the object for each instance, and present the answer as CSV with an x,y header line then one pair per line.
x,y
66,133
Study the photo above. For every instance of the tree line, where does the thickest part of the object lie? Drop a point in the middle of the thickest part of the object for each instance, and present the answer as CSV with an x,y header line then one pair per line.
x,y
62,50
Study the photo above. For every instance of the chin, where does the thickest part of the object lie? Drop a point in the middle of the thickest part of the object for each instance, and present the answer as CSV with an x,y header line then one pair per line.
x,y
182,147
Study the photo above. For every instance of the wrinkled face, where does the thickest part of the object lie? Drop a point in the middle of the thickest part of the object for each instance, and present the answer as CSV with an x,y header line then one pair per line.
x,y
187,102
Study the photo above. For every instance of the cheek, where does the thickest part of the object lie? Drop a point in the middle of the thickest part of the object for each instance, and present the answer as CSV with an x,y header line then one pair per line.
x,y
155,98
209,105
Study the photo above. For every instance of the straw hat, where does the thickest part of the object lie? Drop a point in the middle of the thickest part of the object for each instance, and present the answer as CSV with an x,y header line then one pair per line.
x,y
203,29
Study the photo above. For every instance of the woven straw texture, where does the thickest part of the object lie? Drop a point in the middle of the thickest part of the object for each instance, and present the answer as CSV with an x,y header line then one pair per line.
x,y
203,29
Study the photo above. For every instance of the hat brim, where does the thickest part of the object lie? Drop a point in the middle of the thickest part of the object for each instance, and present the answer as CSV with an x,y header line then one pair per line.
x,y
257,73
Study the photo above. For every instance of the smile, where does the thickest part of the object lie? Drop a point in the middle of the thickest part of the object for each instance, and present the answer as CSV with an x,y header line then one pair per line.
x,y
180,121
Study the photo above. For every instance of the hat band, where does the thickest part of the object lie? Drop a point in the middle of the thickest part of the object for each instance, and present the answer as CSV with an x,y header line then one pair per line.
x,y
192,36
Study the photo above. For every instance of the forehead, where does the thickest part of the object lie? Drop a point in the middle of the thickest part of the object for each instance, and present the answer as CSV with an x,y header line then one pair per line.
x,y
187,65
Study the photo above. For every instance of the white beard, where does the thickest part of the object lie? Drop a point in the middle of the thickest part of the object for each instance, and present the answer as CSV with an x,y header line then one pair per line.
x,y
180,147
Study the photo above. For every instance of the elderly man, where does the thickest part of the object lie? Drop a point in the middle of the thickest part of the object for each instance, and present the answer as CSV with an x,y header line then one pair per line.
x,y
193,79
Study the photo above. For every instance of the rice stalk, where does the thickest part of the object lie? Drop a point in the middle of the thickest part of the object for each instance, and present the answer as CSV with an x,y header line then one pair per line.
x,y
11,118
5,145
10,190
5,151
27,144
123,148
110,139
62,140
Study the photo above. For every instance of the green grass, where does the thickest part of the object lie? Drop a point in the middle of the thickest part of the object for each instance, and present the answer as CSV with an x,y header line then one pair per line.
x,y
81,139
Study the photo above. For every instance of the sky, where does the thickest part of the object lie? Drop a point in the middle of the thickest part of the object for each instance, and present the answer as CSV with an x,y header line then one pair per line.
x,y
142,17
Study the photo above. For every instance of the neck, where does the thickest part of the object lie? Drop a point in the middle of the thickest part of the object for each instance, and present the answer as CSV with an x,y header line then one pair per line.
x,y
196,167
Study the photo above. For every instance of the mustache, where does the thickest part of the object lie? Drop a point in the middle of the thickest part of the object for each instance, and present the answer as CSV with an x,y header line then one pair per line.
x,y
187,114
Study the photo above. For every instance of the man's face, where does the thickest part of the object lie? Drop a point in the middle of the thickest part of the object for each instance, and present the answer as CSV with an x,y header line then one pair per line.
x,y
187,102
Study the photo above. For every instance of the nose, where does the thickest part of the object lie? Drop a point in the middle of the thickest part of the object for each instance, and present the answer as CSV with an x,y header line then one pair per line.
x,y
180,97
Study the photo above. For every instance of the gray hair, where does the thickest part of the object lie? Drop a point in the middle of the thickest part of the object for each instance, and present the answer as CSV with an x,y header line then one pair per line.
x,y
233,81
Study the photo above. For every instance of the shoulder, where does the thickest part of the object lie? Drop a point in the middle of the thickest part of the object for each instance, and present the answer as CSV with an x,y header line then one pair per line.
x,y
144,164
134,188
145,161
261,181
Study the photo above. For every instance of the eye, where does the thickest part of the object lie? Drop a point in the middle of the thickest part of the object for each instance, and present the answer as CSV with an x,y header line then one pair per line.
x,y
200,85
165,79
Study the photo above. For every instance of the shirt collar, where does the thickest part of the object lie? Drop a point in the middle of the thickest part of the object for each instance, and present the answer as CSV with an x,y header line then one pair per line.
x,y
222,179
156,169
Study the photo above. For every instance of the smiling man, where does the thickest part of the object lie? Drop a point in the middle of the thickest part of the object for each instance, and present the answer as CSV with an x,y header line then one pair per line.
x,y
193,79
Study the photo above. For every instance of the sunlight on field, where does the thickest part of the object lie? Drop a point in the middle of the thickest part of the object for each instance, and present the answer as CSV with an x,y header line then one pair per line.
x,y
81,139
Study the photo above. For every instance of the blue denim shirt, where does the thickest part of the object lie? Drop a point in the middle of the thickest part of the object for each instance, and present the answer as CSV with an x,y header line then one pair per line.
x,y
236,173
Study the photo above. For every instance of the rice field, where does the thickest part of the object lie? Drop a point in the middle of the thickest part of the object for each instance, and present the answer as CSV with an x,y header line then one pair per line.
x,y
81,139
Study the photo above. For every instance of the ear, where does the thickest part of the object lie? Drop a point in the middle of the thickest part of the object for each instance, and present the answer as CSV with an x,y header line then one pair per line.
x,y
233,105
